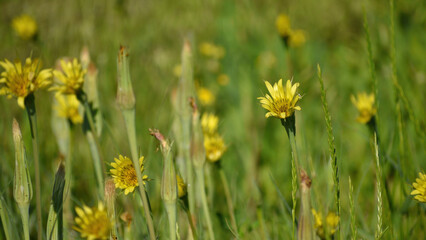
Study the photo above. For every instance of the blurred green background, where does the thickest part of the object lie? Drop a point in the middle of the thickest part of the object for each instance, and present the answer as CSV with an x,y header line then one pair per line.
x,y
258,149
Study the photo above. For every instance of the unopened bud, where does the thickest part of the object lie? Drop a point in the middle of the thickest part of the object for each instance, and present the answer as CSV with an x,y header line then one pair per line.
x,y
125,95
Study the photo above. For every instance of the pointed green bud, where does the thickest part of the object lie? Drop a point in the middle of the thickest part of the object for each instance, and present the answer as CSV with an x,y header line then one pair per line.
x,y
22,187
125,96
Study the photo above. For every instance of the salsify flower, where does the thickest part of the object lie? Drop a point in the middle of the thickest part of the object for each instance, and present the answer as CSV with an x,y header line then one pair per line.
x,y
68,107
365,105
209,123
419,186
124,174
181,186
280,102
205,96
70,78
215,147
297,38
25,26
19,80
332,220
92,223
211,50
282,24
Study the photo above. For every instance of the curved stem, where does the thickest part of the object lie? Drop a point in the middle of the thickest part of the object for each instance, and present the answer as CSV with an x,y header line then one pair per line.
x,y
228,200
201,190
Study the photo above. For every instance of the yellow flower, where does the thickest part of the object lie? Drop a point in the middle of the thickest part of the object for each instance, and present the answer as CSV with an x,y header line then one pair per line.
x,y
419,186
20,81
92,223
70,78
124,174
332,221
281,103
215,147
209,123
211,50
205,96
297,38
25,26
223,79
283,25
181,186
68,107
365,105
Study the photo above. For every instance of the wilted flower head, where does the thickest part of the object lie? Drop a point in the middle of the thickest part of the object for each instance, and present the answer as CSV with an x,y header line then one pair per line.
x,y
25,26
209,123
70,77
21,80
205,96
124,174
215,147
181,186
68,107
211,50
282,24
365,105
332,221
281,103
297,38
92,223
419,186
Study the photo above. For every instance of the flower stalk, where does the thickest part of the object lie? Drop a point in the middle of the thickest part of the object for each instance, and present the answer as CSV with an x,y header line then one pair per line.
x,y
305,228
55,218
4,216
228,197
126,102
110,205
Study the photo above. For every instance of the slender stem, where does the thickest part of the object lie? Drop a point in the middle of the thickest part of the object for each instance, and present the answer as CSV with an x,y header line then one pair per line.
x,y
4,217
200,179
261,220
32,116
129,117
228,199
379,227
189,167
171,213
191,222
25,220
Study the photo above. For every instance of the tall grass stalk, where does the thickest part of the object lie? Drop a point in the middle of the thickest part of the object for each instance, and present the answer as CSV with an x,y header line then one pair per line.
x,y
352,211
200,185
5,221
379,226
331,148
228,199
370,55
289,124
126,102
32,117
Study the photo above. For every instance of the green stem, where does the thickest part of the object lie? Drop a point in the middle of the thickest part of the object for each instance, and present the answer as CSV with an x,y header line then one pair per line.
x,y
190,221
4,216
228,199
188,165
202,192
171,213
32,116
25,220
379,227
129,117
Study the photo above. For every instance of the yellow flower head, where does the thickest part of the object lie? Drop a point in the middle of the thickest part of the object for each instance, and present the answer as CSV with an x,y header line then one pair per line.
x,y
181,186
68,107
211,50
223,79
283,25
419,186
209,123
25,26
365,105
124,174
332,220
71,77
297,38
215,147
205,96
92,223
20,81
280,102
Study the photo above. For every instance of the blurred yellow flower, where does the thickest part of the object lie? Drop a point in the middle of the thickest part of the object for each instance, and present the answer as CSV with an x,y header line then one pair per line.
x,y
92,223
281,103
282,24
124,174
211,50
71,77
215,147
297,38
205,96
332,221
181,186
419,186
177,70
68,107
365,105
20,81
223,79
25,26
209,123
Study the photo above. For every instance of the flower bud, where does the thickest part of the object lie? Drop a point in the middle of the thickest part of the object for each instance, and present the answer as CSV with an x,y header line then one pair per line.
x,y
125,96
